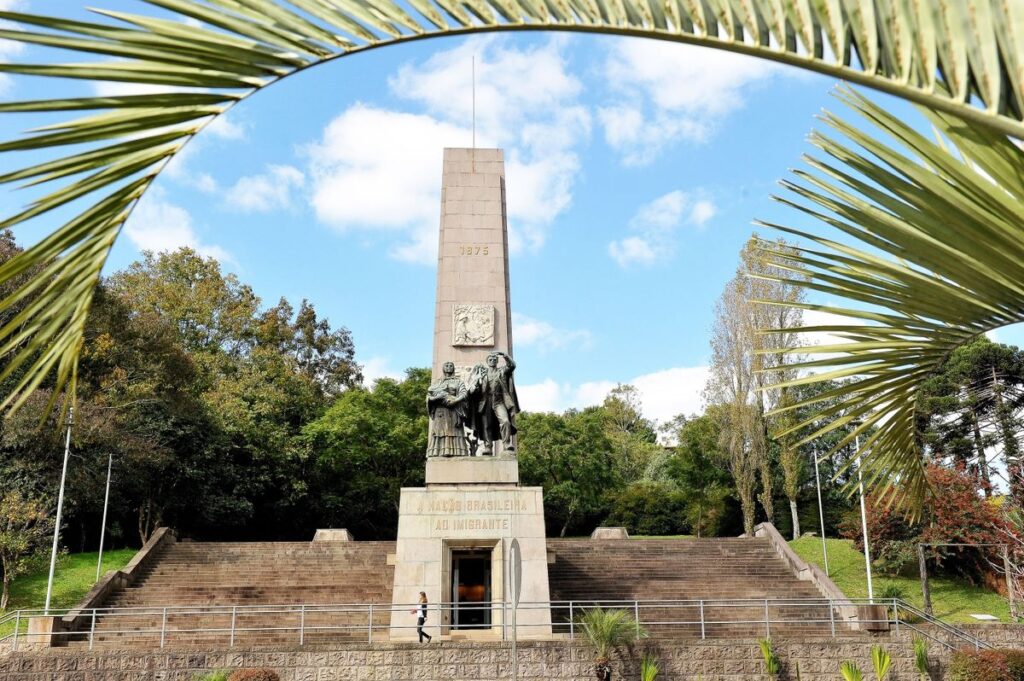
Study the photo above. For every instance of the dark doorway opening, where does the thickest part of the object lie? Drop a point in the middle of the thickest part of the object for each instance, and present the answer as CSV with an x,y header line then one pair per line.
x,y
471,589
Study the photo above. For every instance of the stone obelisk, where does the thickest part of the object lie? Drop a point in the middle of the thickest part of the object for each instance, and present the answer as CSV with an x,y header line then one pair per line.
x,y
472,312
457,537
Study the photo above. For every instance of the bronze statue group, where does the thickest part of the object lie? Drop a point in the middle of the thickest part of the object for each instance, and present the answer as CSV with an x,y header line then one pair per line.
x,y
467,417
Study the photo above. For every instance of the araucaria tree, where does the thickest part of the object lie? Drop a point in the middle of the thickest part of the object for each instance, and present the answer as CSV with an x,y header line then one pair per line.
x,y
752,348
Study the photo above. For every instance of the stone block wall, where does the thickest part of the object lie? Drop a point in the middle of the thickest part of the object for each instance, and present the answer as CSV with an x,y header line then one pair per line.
x,y
465,661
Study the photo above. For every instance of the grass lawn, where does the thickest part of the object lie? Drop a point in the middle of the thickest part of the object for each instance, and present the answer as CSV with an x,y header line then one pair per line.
x,y
75,575
952,600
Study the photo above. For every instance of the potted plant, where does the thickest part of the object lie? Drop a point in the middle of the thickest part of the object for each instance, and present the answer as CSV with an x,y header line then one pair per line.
x,y
607,630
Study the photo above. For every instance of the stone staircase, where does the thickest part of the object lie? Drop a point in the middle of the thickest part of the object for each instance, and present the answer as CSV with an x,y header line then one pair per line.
x,y
247,580
713,570
243,582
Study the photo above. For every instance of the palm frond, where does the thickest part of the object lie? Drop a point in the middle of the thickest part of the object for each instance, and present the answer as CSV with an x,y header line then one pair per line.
x,y
941,223
961,57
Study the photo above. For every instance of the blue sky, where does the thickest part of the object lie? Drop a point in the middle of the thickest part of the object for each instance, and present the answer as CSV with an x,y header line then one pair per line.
x,y
634,170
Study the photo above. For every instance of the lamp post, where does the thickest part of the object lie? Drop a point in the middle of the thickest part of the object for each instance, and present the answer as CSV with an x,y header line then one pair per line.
x,y
821,514
60,511
863,514
106,504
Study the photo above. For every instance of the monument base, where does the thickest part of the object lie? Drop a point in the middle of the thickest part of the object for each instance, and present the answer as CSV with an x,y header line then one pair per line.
x,y
473,470
454,545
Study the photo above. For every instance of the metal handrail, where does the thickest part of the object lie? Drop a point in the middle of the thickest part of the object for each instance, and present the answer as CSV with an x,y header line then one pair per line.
x,y
234,620
950,630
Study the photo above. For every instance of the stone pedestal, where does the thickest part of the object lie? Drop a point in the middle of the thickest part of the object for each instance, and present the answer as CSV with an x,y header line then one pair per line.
x,y
473,470
436,521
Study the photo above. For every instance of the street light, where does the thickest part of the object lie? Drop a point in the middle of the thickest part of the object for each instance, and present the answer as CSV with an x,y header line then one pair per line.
x,y
106,504
821,514
60,510
863,512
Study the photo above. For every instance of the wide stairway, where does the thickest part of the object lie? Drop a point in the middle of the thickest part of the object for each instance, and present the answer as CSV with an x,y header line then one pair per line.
x,y
232,588
735,579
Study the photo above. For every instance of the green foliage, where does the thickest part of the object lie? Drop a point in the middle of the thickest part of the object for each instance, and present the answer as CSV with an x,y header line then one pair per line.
x,y
973,404
696,466
850,671
881,661
910,199
650,508
892,591
649,667
606,630
365,448
953,599
218,675
570,456
24,530
980,665
771,660
921,656
200,395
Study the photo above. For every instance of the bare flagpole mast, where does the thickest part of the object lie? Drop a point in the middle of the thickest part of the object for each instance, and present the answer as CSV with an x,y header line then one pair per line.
x,y
106,504
60,511
473,150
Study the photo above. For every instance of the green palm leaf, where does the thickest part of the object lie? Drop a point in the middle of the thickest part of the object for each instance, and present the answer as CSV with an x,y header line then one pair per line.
x,y
949,214
959,57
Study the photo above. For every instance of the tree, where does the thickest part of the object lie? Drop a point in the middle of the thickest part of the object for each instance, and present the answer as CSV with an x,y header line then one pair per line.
x,y
633,437
571,456
730,387
695,466
753,346
367,446
24,529
973,404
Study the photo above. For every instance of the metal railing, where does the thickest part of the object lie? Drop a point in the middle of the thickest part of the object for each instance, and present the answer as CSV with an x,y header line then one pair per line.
x,y
306,624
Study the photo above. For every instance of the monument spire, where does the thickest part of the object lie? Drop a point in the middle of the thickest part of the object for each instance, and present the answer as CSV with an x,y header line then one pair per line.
x,y
472,310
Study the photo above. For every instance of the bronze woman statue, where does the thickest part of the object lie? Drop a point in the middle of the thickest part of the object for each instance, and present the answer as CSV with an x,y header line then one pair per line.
x,y
446,405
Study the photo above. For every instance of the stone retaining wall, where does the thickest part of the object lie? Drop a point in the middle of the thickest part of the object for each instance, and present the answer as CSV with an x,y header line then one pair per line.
x,y
464,661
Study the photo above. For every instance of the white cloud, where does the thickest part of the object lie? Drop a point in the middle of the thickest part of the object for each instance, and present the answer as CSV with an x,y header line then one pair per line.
x,y
656,225
267,191
530,332
663,394
379,170
379,367
226,128
672,92
9,48
158,225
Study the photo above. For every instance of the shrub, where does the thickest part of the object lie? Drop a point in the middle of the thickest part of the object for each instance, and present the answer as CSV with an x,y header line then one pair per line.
x,y
959,516
649,668
1015,661
254,675
771,660
979,665
219,675
850,671
892,591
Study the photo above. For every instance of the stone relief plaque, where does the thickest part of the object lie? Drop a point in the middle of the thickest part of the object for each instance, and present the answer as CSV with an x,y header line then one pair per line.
x,y
473,325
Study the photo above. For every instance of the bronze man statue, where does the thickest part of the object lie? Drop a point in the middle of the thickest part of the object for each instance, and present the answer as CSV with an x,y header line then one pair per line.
x,y
494,403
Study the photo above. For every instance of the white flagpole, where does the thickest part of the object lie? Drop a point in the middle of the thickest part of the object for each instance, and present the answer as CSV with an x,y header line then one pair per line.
x,y
60,511
106,504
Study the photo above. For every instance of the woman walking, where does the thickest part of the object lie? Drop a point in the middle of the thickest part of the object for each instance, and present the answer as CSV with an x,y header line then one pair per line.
x,y
421,617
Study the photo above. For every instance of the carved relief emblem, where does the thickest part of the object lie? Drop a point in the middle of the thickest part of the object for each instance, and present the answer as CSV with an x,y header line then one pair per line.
x,y
473,325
